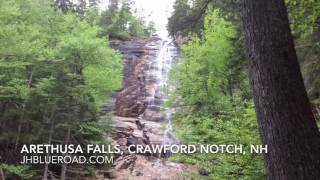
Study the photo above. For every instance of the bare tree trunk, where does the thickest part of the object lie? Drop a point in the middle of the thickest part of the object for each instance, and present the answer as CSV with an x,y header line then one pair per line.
x,y
2,174
64,166
46,167
16,144
23,114
284,114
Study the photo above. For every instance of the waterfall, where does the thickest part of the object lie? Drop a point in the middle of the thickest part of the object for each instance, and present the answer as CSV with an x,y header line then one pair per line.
x,y
164,61
158,74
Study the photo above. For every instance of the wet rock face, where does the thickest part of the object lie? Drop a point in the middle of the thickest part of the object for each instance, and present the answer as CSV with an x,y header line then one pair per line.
x,y
130,101
140,86
138,118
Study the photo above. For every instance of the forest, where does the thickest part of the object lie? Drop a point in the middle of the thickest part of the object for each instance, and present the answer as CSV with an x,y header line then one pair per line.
x,y
248,72
215,99
56,71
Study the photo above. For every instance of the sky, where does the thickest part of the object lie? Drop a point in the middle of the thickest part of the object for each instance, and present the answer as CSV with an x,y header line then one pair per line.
x,y
157,11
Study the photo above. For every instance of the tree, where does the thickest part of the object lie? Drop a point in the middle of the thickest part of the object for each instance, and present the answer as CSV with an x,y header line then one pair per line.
x,y
177,20
188,15
213,68
55,74
113,5
285,118
304,19
212,103
64,5
94,3
121,23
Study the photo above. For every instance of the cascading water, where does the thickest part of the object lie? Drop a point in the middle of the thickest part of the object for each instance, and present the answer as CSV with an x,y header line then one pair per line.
x,y
158,74
165,62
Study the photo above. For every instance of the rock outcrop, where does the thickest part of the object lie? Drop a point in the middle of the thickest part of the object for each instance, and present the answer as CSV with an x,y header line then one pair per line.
x,y
139,87
130,101
138,119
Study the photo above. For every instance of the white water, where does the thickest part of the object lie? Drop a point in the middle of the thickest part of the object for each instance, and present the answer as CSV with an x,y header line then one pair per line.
x,y
158,73
165,62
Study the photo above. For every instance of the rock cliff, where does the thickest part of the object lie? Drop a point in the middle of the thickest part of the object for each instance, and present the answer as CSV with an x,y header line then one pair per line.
x,y
138,119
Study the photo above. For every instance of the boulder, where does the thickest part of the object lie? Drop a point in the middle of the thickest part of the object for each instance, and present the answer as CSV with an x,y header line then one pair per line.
x,y
125,161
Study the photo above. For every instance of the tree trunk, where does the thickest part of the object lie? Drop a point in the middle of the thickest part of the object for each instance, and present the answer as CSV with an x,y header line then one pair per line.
x,y
284,114
2,177
64,166
21,119
46,166
22,116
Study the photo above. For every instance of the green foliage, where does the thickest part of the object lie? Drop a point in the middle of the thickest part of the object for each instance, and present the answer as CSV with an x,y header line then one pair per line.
x,y
237,127
151,29
210,66
123,24
177,21
304,19
189,15
55,74
20,171
211,95
101,80
212,85
304,16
